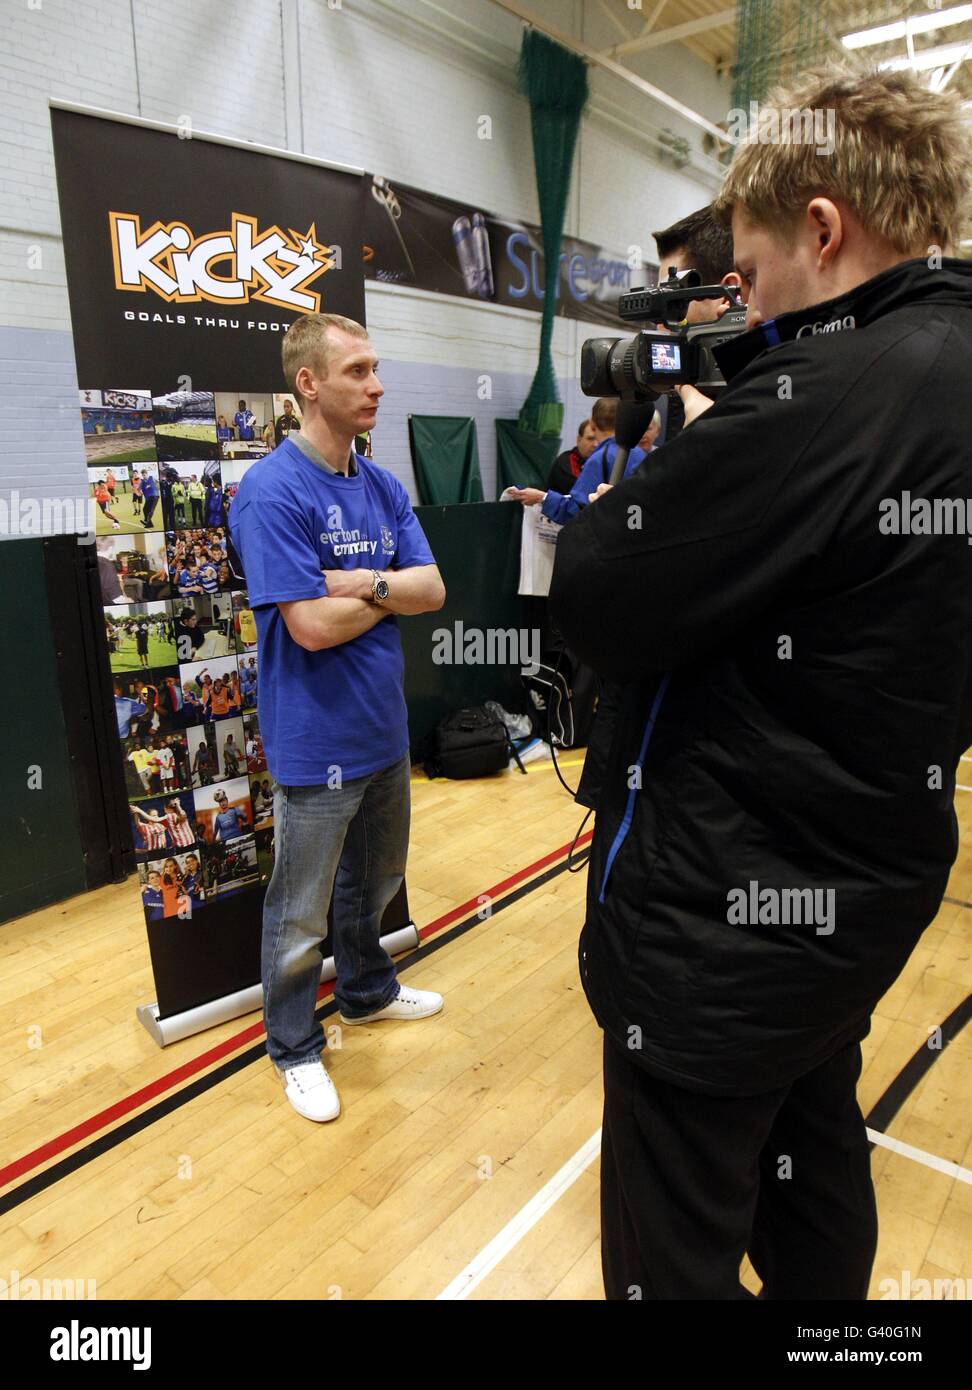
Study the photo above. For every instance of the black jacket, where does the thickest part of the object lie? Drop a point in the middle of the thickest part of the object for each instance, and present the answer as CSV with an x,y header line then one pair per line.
x,y
818,675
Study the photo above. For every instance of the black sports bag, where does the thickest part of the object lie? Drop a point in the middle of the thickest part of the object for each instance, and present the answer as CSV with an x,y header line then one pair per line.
x,y
469,743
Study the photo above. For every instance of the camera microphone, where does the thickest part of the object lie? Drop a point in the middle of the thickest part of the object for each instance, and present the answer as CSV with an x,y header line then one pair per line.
x,y
633,419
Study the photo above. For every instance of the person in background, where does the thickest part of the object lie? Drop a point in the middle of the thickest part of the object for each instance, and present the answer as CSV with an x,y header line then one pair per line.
x,y
104,499
560,508
231,756
224,431
179,502
151,827
165,493
188,634
214,503
192,881
229,821
702,243
175,900
244,420
150,493
196,493
202,765
140,758
567,466
286,422
152,897
141,643
127,709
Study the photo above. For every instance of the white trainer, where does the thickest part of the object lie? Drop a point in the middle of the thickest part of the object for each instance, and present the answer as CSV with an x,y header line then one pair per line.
x,y
411,1003
311,1091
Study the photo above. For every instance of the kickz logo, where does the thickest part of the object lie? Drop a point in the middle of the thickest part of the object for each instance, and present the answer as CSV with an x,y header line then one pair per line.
x,y
271,266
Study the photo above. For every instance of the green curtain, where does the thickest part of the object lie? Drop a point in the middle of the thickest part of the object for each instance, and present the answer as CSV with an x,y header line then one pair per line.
x,y
556,83
523,459
445,455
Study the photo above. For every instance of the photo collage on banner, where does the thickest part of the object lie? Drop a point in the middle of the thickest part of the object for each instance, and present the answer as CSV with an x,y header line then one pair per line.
x,y
182,639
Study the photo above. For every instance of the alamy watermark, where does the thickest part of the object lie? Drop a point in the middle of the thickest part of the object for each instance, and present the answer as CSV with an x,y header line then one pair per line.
x,y
923,516
46,516
776,907
20,1288
77,1343
491,646
788,125
908,1289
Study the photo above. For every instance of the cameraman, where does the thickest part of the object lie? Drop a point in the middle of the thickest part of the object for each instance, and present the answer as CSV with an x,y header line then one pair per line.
x,y
776,825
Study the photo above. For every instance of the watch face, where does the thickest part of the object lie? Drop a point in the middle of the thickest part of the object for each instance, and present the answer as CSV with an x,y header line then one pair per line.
x,y
381,589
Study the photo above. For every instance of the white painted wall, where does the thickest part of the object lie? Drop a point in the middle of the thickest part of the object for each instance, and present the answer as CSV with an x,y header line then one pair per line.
x,y
395,86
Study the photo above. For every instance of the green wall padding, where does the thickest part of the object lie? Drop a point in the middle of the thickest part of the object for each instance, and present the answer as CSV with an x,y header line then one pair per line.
x,y
523,459
41,858
445,455
477,549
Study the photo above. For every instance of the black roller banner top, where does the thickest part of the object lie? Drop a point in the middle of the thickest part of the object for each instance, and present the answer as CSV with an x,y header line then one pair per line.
x,y
185,256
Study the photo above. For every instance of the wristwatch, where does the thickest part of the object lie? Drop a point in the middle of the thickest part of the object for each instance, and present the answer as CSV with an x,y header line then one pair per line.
x,y
379,587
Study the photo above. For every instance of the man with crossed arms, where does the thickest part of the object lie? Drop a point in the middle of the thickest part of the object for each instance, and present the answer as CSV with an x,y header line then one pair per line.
x,y
332,552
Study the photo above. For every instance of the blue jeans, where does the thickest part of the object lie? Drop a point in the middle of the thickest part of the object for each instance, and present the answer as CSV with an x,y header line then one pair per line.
x,y
351,841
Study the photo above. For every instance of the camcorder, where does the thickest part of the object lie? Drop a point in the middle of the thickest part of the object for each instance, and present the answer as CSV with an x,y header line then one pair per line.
x,y
647,365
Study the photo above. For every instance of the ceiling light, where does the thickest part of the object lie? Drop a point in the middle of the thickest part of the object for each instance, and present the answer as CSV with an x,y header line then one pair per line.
x,y
916,24
931,58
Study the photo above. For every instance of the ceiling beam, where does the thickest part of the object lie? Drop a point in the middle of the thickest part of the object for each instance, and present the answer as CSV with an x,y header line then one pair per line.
x,y
654,17
675,33
585,50
612,16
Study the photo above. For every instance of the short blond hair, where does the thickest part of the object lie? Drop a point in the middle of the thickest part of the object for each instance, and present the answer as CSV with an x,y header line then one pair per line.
x,y
900,158
306,344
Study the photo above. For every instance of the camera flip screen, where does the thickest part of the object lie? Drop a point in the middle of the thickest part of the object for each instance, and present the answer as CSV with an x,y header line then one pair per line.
x,y
666,357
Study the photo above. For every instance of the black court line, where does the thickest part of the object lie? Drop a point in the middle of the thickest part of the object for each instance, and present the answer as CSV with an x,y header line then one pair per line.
x,y
920,1064
110,1140
879,1117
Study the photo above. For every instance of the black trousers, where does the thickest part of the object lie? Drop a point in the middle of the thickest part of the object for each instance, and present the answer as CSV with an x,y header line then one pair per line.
x,y
690,1183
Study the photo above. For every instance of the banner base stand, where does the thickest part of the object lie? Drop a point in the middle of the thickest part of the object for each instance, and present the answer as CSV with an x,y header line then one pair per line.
x,y
164,1031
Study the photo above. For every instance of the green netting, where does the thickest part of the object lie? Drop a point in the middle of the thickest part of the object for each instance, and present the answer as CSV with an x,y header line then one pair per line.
x,y
445,455
775,41
556,83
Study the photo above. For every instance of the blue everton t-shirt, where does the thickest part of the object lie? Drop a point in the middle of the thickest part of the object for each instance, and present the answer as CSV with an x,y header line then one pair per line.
x,y
344,706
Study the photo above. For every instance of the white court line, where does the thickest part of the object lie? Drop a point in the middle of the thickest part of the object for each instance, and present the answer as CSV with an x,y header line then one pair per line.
x,y
514,1231
942,1165
960,788
527,1217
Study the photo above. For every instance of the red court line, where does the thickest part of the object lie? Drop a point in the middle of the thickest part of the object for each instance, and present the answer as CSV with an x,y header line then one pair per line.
x,y
171,1079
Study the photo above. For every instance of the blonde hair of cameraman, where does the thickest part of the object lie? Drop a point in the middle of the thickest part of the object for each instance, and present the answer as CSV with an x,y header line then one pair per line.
x,y
900,158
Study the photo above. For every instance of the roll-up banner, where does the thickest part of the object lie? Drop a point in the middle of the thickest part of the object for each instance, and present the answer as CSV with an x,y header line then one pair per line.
x,y
187,259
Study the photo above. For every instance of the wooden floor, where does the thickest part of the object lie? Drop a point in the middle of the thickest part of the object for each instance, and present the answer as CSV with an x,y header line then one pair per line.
x,y
450,1126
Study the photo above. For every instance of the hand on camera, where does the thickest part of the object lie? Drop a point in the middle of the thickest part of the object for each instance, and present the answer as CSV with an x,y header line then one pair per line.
x,y
602,488
694,402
